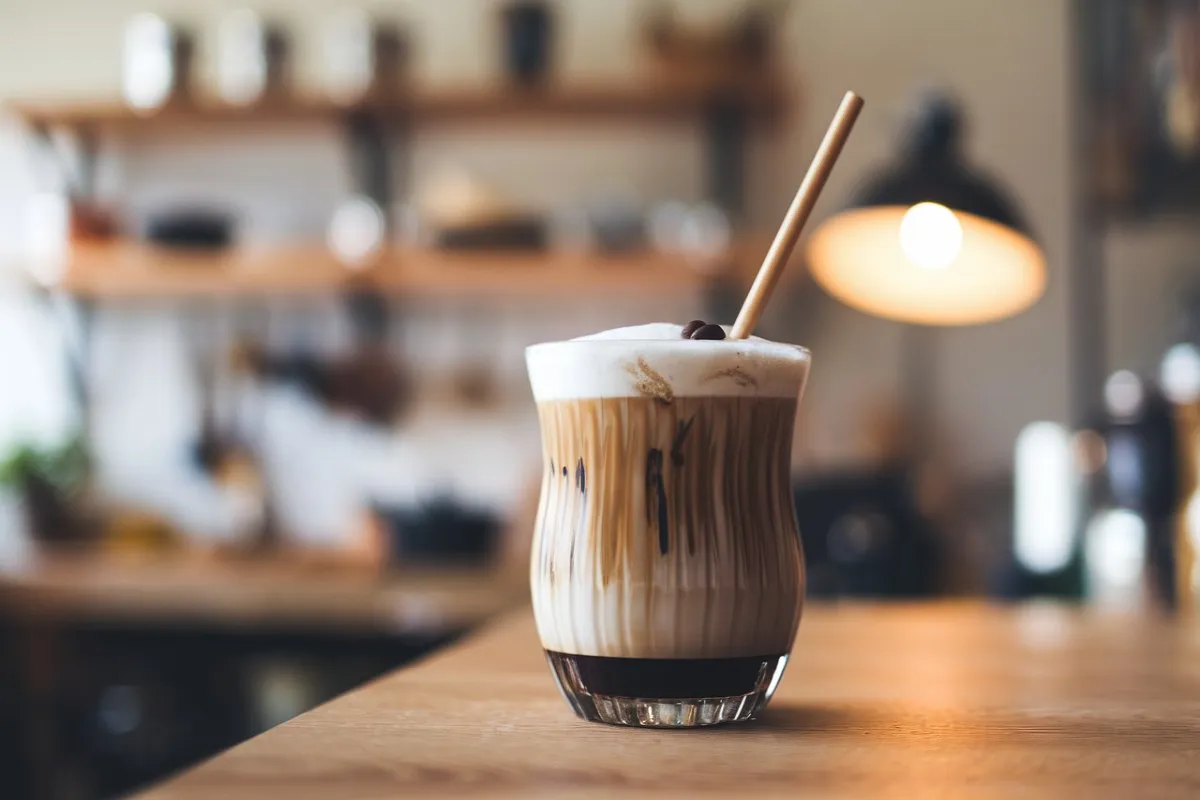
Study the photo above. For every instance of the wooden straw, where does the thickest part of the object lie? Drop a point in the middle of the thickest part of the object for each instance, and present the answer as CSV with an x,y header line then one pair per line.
x,y
797,215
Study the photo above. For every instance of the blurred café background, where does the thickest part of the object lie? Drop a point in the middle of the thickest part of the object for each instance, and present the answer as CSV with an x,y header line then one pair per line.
x,y
268,272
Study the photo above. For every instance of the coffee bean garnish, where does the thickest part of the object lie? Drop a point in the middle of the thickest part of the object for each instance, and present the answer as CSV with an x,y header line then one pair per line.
x,y
699,329
711,331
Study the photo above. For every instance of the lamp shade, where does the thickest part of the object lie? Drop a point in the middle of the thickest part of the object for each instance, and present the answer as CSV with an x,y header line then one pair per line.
x,y
928,240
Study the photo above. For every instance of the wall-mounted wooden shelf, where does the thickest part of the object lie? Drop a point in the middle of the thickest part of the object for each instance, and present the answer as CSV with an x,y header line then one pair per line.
x,y
248,594
760,97
130,270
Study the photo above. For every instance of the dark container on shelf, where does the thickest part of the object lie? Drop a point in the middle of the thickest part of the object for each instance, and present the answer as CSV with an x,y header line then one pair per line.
x,y
441,532
191,229
528,33
252,58
366,57
511,234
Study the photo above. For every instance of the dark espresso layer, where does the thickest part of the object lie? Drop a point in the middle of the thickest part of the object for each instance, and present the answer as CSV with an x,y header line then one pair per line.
x,y
663,678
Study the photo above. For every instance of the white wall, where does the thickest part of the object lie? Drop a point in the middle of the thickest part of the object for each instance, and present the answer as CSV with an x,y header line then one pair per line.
x,y
1152,269
1009,63
1007,60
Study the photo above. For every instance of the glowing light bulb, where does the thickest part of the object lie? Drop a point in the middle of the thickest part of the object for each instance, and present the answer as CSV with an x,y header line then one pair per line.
x,y
931,236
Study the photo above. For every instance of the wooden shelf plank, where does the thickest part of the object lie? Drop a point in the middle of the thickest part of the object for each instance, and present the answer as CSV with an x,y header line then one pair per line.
x,y
135,270
275,594
131,270
760,95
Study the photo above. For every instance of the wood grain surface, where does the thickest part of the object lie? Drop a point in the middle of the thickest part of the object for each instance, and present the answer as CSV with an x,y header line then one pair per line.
x,y
891,702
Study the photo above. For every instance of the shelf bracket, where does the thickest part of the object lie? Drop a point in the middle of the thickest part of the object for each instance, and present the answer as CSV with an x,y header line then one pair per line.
x,y
725,134
80,183
379,157
725,153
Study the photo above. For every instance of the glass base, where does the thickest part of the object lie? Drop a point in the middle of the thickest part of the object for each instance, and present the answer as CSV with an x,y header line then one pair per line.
x,y
666,693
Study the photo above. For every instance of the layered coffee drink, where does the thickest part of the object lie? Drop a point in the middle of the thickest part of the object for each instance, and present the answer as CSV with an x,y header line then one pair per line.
x,y
666,570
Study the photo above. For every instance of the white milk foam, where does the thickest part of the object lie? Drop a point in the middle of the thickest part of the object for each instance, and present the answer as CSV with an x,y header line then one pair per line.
x,y
655,360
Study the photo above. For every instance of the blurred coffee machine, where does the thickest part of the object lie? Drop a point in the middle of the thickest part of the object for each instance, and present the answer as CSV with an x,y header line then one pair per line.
x,y
1180,378
1131,547
864,535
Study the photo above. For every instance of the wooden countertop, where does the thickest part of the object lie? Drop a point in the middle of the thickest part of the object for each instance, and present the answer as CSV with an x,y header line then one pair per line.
x,y
253,594
924,701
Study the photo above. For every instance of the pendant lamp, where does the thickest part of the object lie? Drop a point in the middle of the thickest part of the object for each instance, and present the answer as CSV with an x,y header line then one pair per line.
x,y
928,240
